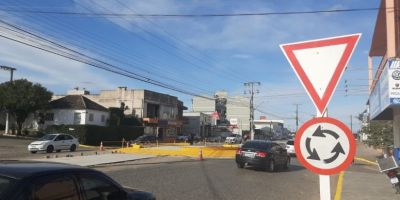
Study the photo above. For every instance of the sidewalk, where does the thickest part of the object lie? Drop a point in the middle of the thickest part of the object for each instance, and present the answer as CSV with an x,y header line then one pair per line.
x,y
92,160
363,181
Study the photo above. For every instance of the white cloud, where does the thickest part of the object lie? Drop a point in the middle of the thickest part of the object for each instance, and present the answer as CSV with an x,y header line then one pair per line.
x,y
48,69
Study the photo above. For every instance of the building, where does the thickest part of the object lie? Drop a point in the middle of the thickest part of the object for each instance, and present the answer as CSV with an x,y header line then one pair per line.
x,y
76,109
384,88
161,114
196,123
230,109
272,128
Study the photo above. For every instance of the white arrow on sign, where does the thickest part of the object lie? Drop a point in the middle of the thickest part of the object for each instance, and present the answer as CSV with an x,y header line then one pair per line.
x,y
319,64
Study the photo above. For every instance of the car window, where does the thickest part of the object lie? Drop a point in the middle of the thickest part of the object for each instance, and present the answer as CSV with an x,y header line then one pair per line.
x,y
53,187
256,145
5,184
96,187
59,137
47,137
68,137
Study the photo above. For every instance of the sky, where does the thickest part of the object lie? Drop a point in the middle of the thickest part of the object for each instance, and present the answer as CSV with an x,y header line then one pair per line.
x,y
197,54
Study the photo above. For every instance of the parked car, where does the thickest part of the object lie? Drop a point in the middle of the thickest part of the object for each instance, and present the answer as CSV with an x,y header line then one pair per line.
x,y
233,139
290,148
46,180
54,142
263,154
145,139
182,138
215,139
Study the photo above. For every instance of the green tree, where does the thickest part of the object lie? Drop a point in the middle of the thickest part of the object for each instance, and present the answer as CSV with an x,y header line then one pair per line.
x,y
380,134
22,97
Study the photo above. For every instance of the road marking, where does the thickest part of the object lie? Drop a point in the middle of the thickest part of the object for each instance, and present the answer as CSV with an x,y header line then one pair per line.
x,y
338,194
367,161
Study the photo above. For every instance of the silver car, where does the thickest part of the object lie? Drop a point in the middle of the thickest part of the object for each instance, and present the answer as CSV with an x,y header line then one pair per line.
x,y
54,142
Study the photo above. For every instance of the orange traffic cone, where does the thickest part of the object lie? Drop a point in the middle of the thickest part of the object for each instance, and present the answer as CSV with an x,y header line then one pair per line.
x,y
101,146
201,155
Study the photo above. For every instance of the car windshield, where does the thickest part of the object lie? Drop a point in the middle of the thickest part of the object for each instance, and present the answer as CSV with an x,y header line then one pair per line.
x,y
5,184
47,137
256,145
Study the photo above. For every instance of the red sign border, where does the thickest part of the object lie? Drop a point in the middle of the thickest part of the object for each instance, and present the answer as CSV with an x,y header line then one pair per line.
x,y
350,40
337,123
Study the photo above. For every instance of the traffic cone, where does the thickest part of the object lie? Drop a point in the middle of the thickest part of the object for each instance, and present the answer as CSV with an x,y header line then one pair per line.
x,y
201,155
101,146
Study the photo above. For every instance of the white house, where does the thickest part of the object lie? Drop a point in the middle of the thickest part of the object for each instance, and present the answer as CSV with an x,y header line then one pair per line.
x,y
76,109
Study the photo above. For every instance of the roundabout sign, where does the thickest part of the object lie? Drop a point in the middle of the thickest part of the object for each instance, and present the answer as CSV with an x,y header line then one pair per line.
x,y
325,146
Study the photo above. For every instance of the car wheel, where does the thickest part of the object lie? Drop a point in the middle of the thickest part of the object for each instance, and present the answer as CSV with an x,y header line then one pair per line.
x,y
271,166
50,149
58,151
73,147
287,164
33,152
240,165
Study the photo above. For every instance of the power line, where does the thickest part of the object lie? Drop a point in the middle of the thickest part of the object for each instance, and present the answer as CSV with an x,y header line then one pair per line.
x,y
109,68
100,14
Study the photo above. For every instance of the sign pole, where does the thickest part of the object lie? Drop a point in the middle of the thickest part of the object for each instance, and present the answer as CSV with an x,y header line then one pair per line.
x,y
324,180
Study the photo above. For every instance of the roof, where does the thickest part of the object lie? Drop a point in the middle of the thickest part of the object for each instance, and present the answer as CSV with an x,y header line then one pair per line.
x,y
76,102
22,169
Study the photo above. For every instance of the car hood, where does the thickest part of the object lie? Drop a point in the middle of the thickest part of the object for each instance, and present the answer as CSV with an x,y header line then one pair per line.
x,y
40,142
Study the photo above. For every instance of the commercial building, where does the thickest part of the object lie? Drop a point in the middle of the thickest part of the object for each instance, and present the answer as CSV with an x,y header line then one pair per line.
x,y
384,99
270,128
230,109
196,123
161,114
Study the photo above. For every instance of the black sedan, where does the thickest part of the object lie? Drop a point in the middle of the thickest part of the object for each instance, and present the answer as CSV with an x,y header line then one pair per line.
x,y
263,154
21,180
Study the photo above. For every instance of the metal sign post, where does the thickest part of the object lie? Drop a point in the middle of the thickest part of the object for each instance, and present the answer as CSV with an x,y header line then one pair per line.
x,y
323,145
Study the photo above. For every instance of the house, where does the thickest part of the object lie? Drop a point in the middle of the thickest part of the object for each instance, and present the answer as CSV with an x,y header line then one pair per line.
x,y
76,109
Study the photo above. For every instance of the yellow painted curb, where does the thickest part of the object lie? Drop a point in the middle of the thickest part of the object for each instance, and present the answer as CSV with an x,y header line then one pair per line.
x,y
366,161
207,152
87,146
136,146
339,186
231,145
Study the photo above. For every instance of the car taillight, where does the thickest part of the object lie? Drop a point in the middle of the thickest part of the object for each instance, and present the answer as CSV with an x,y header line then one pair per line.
x,y
239,151
261,154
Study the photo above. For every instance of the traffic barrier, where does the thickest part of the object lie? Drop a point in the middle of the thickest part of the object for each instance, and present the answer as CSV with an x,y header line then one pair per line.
x,y
101,148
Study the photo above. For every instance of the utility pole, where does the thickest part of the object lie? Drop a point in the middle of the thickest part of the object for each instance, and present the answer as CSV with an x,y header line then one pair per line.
x,y
252,91
351,123
297,116
11,69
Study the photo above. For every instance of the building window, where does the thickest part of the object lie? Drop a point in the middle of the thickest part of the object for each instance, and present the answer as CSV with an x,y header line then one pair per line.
x,y
77,118
103,118
49,117
91,117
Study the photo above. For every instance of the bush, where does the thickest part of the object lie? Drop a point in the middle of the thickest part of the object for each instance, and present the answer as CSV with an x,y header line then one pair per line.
x,y
93,135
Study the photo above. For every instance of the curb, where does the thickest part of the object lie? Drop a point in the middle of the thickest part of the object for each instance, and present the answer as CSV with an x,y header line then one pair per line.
x,y
366,161
86,146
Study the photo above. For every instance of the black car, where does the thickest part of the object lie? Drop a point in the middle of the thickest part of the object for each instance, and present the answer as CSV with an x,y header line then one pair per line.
x,y
263,154
20,180
145,139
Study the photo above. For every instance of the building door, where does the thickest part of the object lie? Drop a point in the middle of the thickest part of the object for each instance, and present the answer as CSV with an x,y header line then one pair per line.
x,y
77,118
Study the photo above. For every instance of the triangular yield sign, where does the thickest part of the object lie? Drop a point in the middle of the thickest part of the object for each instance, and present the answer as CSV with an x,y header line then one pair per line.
x,y
319,64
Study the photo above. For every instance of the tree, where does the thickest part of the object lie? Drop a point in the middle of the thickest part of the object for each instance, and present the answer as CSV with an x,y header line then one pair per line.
x,y
22,97
380,134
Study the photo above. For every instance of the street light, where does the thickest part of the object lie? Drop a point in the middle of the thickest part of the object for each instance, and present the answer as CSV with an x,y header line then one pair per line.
x,y
11,69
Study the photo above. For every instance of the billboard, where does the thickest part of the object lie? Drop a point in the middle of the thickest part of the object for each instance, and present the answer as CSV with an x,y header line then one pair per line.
x,y
386,92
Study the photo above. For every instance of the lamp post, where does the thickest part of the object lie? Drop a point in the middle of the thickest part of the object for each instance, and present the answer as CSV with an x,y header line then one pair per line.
x,y
11,69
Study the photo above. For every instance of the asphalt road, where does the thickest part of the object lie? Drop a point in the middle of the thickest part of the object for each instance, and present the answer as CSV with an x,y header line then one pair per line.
x,y
217,179
17,148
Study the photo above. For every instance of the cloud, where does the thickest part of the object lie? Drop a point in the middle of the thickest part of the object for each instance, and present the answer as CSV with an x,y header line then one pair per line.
x,y
47,69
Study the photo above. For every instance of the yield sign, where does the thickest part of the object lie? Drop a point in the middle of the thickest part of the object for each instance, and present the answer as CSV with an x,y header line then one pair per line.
x,y
319,64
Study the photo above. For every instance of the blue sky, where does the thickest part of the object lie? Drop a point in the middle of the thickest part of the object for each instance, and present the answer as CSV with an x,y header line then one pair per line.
x,y
201,55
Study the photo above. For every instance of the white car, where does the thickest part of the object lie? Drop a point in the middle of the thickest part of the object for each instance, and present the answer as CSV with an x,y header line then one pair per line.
x,y
51,142
233,139
290,147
